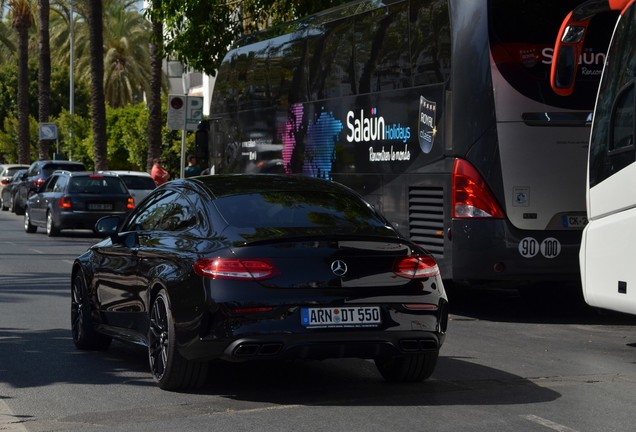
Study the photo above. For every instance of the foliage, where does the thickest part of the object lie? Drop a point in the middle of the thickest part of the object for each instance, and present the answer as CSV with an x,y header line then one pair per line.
x,y
9,139
199,32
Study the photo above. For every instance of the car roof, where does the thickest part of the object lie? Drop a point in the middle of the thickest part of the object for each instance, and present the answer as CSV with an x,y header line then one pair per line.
x,y
123,172
233,184
82,173
7,165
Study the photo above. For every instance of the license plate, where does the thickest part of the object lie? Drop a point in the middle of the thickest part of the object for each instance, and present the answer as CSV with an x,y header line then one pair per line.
x,y
574,221
100,206
347,316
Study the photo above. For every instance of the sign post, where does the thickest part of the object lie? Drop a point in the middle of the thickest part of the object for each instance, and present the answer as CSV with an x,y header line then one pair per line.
x,y
184,114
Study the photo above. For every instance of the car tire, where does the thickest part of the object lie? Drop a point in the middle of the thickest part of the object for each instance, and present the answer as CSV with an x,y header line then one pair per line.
x,y
169,368
51,229
408,368
3,205
84,335
28,226
18,209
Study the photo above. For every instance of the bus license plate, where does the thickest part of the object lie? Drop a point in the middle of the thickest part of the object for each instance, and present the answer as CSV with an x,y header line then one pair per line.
x,y
574,221
352,316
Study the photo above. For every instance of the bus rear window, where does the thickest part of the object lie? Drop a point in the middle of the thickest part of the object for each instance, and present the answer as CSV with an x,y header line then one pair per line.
x,y
522,35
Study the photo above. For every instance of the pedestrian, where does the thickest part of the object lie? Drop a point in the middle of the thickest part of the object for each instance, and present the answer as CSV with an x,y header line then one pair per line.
x,y
192,169
159,175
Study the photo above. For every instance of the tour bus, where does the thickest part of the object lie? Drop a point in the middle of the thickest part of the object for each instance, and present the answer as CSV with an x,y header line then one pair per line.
x,y
608,272
438,112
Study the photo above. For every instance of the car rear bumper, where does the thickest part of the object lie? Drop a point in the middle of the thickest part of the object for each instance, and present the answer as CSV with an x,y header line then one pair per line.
x,y
82,219
241,339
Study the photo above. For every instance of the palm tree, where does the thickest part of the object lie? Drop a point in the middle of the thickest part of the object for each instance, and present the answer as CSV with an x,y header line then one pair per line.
x,y
44,73
126,40
127,58
22,20
98,102
156,75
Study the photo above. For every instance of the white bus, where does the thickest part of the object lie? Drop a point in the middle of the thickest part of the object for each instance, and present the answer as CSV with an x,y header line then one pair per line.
x,y
439,112
608,248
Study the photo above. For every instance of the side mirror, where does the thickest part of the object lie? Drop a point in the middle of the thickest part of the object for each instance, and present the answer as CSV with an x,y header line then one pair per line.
x,y
567,52
107,226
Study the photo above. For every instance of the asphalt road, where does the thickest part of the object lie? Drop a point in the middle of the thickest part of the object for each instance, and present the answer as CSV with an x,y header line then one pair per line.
x,y
507,365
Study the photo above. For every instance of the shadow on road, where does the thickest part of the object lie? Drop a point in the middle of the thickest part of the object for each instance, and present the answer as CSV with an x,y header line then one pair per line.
x,y
556,304
38,359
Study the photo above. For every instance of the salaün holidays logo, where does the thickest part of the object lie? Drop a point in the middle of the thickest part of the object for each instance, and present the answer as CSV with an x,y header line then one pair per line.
x,y
427,129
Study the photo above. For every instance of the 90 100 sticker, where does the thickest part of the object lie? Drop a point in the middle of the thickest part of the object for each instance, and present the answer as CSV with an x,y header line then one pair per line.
x,y
529,247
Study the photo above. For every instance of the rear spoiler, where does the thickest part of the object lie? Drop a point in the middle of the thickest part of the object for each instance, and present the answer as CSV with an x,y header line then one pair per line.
x,y
569,43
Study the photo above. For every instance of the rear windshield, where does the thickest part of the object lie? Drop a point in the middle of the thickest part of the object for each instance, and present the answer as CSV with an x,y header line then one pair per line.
x,y
138,182
298,209
47,170
13,170
97,185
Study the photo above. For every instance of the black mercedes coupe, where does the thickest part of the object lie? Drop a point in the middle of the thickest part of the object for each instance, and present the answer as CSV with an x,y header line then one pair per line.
x,y
250,267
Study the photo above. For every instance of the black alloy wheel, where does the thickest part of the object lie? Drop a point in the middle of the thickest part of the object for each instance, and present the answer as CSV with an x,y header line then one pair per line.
x,y
170,370
84,335
28,226
410,368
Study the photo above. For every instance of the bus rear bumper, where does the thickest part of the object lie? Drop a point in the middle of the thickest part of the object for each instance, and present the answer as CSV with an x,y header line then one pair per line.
x,y
494,250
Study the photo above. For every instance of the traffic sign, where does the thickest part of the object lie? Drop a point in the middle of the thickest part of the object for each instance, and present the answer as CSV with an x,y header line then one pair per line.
x,y
194,112
48,131
176,112
184,112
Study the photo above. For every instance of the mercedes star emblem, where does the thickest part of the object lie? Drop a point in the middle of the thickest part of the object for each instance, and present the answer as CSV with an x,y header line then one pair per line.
x,y
339,268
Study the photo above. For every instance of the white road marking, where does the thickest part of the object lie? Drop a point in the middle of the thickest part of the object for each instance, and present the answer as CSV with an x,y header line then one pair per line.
x,y
547,423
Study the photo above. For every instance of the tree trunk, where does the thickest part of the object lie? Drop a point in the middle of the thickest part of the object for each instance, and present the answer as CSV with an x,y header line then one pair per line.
x,y
98,102
154,99
44,74
24,151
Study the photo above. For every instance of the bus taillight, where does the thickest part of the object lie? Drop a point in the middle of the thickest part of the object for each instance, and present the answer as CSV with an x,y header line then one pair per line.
x,y
471,196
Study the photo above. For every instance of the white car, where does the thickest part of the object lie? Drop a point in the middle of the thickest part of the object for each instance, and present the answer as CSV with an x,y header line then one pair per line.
x,y
139,183
7,171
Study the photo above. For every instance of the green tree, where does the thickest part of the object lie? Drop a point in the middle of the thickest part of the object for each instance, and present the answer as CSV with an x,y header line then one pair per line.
x,y
127,56
21,21
199,32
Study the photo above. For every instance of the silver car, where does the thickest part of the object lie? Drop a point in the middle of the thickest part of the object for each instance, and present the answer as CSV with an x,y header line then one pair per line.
x,y
139,183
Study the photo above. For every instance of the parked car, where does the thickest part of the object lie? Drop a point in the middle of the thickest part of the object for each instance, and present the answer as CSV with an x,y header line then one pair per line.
x,y
76,200
8,191
255,267
7,171
139,183
37,174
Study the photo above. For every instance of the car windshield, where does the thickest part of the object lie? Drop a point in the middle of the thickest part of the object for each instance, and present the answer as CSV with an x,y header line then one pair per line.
x,y
297,209
138,182
97,185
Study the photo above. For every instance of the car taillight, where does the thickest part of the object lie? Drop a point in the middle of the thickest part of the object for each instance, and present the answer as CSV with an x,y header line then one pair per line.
x,y
39,182
235,269
131,203
65,203
471,196
416,267
4,182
